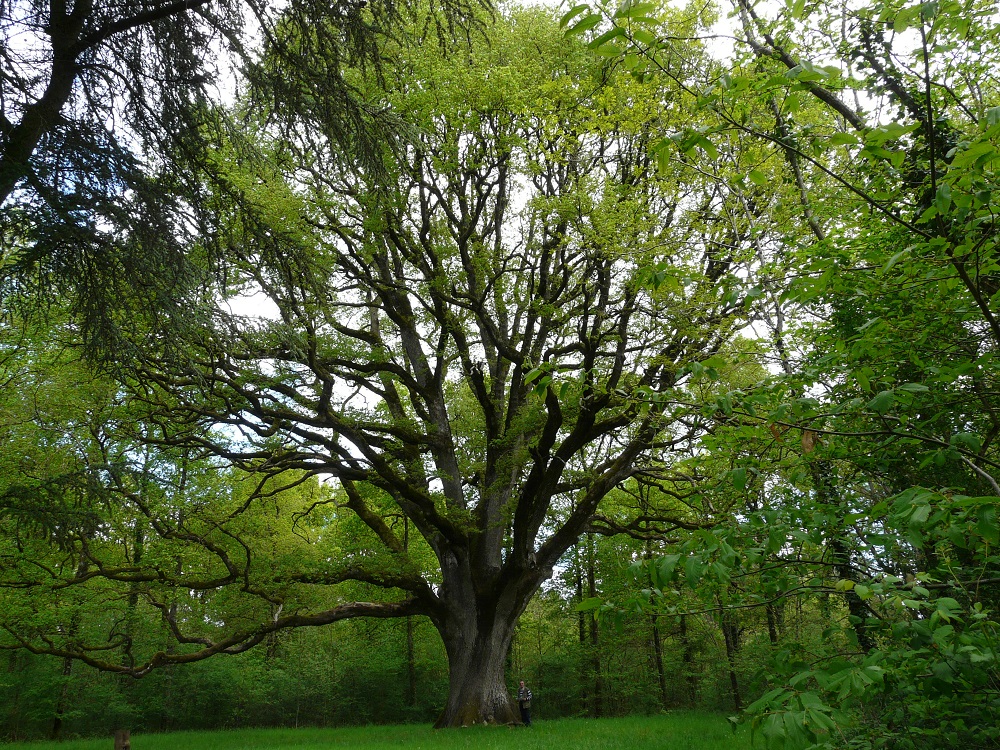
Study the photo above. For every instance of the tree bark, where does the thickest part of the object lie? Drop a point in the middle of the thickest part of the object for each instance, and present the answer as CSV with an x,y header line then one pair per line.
x,y
772,623
595,637
581,622
411,666
57,720
730,631
661,675
689,665
123,739
477,648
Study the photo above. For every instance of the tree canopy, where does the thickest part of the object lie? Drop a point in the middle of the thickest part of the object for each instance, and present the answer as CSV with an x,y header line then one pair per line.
x,y
473,336
531,281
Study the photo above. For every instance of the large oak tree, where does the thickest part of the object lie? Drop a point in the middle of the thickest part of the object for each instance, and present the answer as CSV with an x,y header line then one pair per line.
x,y
482,334
484,341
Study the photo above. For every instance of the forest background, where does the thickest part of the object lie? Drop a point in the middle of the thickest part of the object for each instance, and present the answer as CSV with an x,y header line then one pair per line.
x,y
654,379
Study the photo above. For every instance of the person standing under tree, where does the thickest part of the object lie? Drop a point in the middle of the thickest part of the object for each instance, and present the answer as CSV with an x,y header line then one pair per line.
x,y
524,703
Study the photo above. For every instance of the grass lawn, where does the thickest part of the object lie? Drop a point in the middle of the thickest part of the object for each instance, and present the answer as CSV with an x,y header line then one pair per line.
x,y
676,731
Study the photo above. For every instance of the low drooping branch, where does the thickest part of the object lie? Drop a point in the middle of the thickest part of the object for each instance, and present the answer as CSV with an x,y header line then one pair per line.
x,y
236,643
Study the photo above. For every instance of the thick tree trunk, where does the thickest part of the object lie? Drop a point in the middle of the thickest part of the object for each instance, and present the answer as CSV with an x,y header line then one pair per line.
x,y
477,626
477,692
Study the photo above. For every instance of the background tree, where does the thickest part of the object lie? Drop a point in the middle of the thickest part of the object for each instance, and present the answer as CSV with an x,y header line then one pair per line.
x,y
887,111
105,117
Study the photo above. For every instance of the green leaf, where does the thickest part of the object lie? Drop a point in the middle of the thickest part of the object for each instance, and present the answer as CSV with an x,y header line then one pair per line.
x,y
942,199
644,37
972,153
704,143
968,441
573,13
666,567
919,516
986,524
889,132
534,374
895,259
739,478
607,36
584,25
905,18
882,402
844,139
863,381
693,568
635,11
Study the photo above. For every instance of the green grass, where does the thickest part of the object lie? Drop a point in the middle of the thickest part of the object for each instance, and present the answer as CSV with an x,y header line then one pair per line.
x,y
676,731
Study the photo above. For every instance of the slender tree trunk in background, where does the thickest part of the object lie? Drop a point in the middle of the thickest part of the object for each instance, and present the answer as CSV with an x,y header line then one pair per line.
x,y
772,624
581,624
595,656
57,720
411,665
14,712
843,568
411,661
658,660
689,666
824,482
67,669
165,709
730,631
657,641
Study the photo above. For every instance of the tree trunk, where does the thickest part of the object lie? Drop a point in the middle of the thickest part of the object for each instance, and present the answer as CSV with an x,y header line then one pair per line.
x,y
123,740
828,493
411,660
581,622
15,665
477,690
689,665
57,720
772,623
411,666
661,674
731,632
595,639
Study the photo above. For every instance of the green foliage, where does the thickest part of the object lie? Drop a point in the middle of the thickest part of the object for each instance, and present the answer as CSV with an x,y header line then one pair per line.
x,y
870,487
508,326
